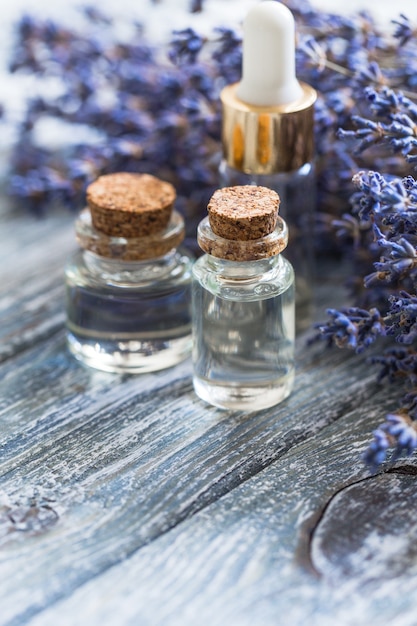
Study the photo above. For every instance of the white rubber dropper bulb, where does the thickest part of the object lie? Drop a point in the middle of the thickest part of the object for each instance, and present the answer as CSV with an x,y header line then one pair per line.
x,y
268,65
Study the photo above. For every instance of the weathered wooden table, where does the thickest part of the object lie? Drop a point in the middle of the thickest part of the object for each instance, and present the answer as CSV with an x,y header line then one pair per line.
x,y
127,501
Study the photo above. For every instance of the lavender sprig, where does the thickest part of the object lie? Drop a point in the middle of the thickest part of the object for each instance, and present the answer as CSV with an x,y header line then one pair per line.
x,y
404,30
399,432
399,129
388,207
341,60
185,46
353,328
401,319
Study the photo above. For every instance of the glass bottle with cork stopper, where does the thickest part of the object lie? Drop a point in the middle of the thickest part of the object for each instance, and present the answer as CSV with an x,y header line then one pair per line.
x,y
128,287
243,302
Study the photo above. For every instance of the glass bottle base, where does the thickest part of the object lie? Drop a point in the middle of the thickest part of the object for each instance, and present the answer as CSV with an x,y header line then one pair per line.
x,y
244,397
129,356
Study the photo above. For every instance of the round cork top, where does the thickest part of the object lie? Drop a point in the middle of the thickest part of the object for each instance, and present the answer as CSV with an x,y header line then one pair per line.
x,y
130,205
243,213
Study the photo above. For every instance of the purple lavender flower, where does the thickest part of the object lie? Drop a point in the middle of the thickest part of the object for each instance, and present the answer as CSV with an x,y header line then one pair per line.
x,y
402,318
386,207
398,431
227,54
376,452
395,363
395,126
404,31
353,328
185,47
196,6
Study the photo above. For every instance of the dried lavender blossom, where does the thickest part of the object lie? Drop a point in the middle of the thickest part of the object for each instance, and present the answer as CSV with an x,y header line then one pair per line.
x,y
380,232
196,6
353,327
157,111
399,432
388,206
159,116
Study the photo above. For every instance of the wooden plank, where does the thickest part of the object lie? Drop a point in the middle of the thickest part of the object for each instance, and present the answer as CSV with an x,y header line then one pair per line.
x,y
233,562
381,509
32,258
122,460
29,244
94,467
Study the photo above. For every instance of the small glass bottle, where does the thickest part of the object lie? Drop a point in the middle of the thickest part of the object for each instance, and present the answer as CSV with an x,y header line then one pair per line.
x,y
129,287
243,302
267,134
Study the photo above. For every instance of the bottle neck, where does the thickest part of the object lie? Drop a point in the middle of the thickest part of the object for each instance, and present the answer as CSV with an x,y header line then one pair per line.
x,y
243,270
128,250
119,272
240,251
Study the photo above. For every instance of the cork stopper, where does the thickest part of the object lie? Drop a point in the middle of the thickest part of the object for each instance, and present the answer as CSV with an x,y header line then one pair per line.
x,y
243,213
130,205
132,248
243,224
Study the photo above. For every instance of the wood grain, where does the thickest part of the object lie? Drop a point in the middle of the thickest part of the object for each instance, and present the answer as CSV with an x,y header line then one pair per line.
x,y
368,531
126,500
233,562
32,258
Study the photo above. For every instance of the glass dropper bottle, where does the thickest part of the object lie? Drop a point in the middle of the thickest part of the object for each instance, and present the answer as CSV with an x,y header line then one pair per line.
x,y
267,134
